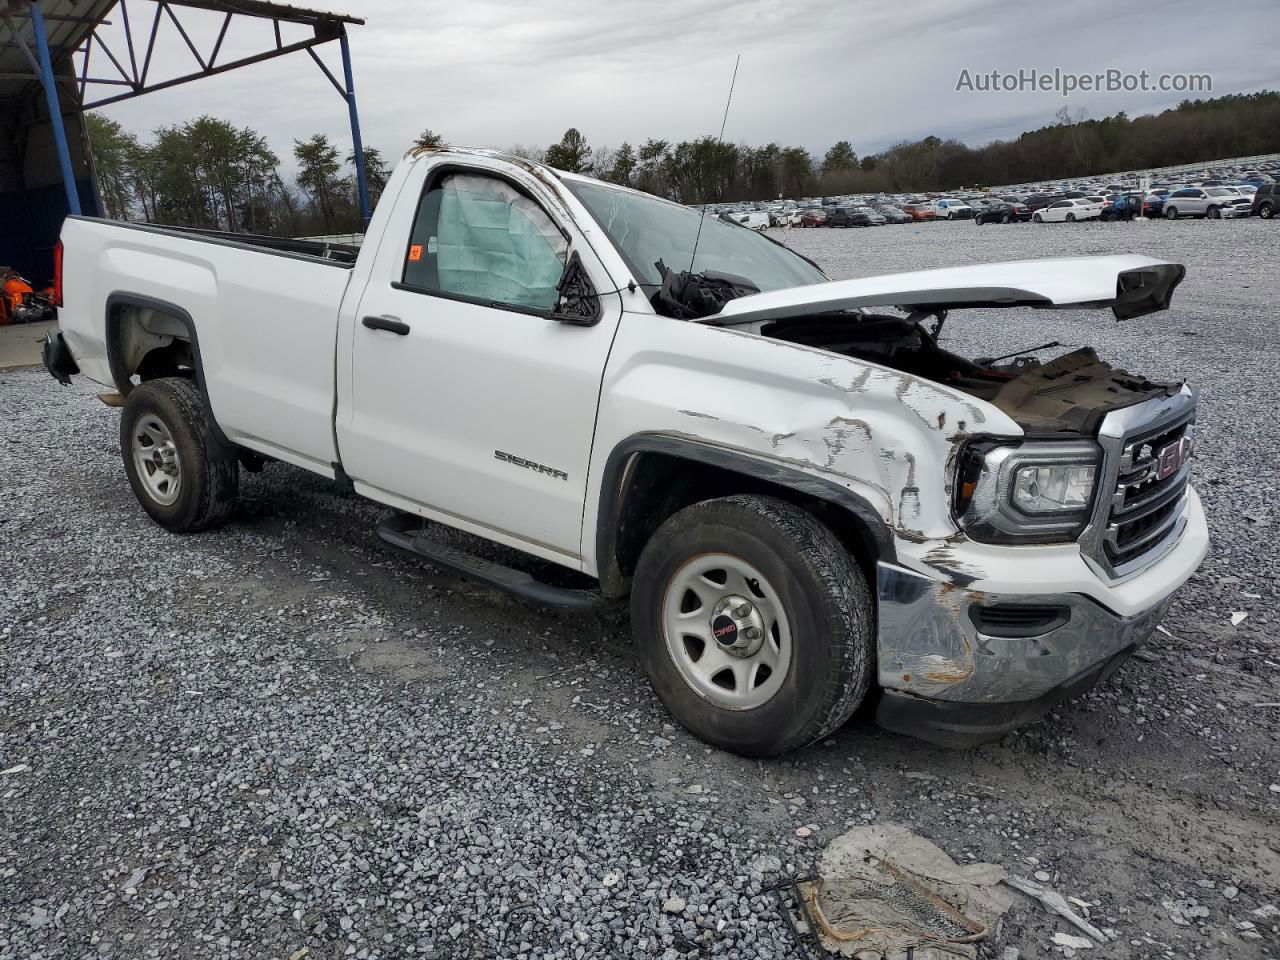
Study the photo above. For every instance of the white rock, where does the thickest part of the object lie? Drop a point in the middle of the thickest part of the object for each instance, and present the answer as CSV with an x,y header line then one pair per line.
x,y
1075,943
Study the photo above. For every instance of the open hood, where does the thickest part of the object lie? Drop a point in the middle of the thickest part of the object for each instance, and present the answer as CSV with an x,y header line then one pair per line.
x,y
1130,285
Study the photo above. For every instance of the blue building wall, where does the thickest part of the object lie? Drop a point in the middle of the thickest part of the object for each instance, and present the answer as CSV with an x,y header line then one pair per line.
x,y
30,221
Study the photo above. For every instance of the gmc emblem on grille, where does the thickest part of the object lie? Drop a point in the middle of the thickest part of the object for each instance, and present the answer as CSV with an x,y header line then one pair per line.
x,y
1171,458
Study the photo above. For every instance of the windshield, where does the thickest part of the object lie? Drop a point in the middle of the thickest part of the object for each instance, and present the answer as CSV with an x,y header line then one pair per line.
x,y
646,230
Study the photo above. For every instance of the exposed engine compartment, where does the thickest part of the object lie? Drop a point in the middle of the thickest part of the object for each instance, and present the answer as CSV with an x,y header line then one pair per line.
x,y
1069,394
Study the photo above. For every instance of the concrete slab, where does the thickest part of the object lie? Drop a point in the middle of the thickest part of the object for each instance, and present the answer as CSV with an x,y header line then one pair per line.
x,y
20,344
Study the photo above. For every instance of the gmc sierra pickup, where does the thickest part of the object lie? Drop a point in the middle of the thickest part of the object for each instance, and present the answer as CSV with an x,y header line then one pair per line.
x,y
809,499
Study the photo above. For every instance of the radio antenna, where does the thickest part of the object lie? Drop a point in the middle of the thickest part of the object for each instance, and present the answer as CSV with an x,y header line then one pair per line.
x,y
719,140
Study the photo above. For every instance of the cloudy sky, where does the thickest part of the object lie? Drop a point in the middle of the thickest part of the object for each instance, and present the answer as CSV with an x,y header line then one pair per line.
x,y
497,73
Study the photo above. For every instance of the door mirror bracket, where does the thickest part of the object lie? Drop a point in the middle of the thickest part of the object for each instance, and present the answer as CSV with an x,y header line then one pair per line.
x,y
578,304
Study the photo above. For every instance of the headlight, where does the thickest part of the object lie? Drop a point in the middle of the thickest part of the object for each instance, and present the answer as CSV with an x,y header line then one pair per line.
x,y
1033,492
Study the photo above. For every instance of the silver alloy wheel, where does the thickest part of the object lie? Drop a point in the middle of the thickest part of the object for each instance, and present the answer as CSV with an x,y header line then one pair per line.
x,y
726,631
156,458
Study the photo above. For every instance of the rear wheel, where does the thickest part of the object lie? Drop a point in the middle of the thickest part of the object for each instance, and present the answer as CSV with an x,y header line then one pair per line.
x,y
1071,218
183,477
1266,212
1171,213
754,624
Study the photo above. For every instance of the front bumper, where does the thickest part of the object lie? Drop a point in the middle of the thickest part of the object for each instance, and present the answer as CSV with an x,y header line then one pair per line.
x,y
961,667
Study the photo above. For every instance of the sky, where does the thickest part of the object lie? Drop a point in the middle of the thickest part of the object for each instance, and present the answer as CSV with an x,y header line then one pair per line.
x,y
499,73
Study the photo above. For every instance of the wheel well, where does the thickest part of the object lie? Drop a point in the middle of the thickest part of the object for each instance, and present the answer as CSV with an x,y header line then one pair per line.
x,y
655,485
149,339
147,342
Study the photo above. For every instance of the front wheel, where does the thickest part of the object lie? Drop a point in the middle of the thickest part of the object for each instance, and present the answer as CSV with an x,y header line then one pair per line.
x,y
1266,212
1214,213
754,624
1038,219
181,474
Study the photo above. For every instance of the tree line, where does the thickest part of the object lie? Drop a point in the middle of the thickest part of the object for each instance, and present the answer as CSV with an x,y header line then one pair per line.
x,y
1071,146
209,173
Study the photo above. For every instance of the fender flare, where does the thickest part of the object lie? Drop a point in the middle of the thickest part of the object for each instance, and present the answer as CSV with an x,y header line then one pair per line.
x,y
614,483
115,360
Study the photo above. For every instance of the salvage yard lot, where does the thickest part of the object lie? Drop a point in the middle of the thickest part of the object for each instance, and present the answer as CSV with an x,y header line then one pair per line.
x,y
277,736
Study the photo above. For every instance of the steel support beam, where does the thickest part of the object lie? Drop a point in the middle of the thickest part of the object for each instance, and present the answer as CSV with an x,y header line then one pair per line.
x,y
50,84
362,184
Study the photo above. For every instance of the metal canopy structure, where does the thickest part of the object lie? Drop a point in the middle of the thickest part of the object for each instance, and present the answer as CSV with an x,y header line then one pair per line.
x,y
61,46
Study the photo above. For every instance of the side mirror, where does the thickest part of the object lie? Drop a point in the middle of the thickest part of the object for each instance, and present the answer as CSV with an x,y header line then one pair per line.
x,y
579,304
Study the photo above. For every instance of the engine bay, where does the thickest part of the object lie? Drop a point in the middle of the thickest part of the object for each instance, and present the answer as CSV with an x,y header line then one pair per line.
x,y
1067,395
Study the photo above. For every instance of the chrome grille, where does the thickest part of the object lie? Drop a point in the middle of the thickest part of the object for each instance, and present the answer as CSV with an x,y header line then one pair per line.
x,y
1141,510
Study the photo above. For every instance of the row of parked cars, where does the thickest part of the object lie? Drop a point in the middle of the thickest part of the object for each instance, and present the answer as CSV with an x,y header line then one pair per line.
x,y
1209,201
1232,193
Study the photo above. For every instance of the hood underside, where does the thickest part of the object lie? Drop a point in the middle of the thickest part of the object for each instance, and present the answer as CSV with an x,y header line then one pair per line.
x,y
1130,285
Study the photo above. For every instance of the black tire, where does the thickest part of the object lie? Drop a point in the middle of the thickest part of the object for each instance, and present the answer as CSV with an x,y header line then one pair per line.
x,y
1037,218
825,598
1005,218
1213,213
209,470
1071,218
1266,211
1171,213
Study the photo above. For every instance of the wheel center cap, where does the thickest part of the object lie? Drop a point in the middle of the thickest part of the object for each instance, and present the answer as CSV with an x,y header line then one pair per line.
x,y
166,459
737,626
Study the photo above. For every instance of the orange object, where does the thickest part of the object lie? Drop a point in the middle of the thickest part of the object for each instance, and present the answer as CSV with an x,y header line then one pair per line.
x,y
19,303
415,252
12,295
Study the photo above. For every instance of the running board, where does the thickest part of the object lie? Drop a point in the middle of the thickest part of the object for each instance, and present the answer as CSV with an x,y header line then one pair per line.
x,y
401,531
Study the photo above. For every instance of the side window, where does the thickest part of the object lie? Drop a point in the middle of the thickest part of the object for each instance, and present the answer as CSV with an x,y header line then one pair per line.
x,y
479,238
1062,203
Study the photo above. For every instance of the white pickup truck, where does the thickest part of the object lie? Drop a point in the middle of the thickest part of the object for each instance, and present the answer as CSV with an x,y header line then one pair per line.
x,y
809,499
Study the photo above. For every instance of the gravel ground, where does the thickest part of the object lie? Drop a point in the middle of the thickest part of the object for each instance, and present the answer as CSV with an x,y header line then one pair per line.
x,y
276,737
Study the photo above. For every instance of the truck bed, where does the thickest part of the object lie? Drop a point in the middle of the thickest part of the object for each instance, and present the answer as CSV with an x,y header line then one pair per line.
x,y
260,312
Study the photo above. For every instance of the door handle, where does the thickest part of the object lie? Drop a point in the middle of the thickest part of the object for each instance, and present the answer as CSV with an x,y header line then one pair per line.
x,y
395,326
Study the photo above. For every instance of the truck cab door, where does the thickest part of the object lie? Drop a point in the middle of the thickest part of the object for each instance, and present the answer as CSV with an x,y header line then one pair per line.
x,y
465,400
